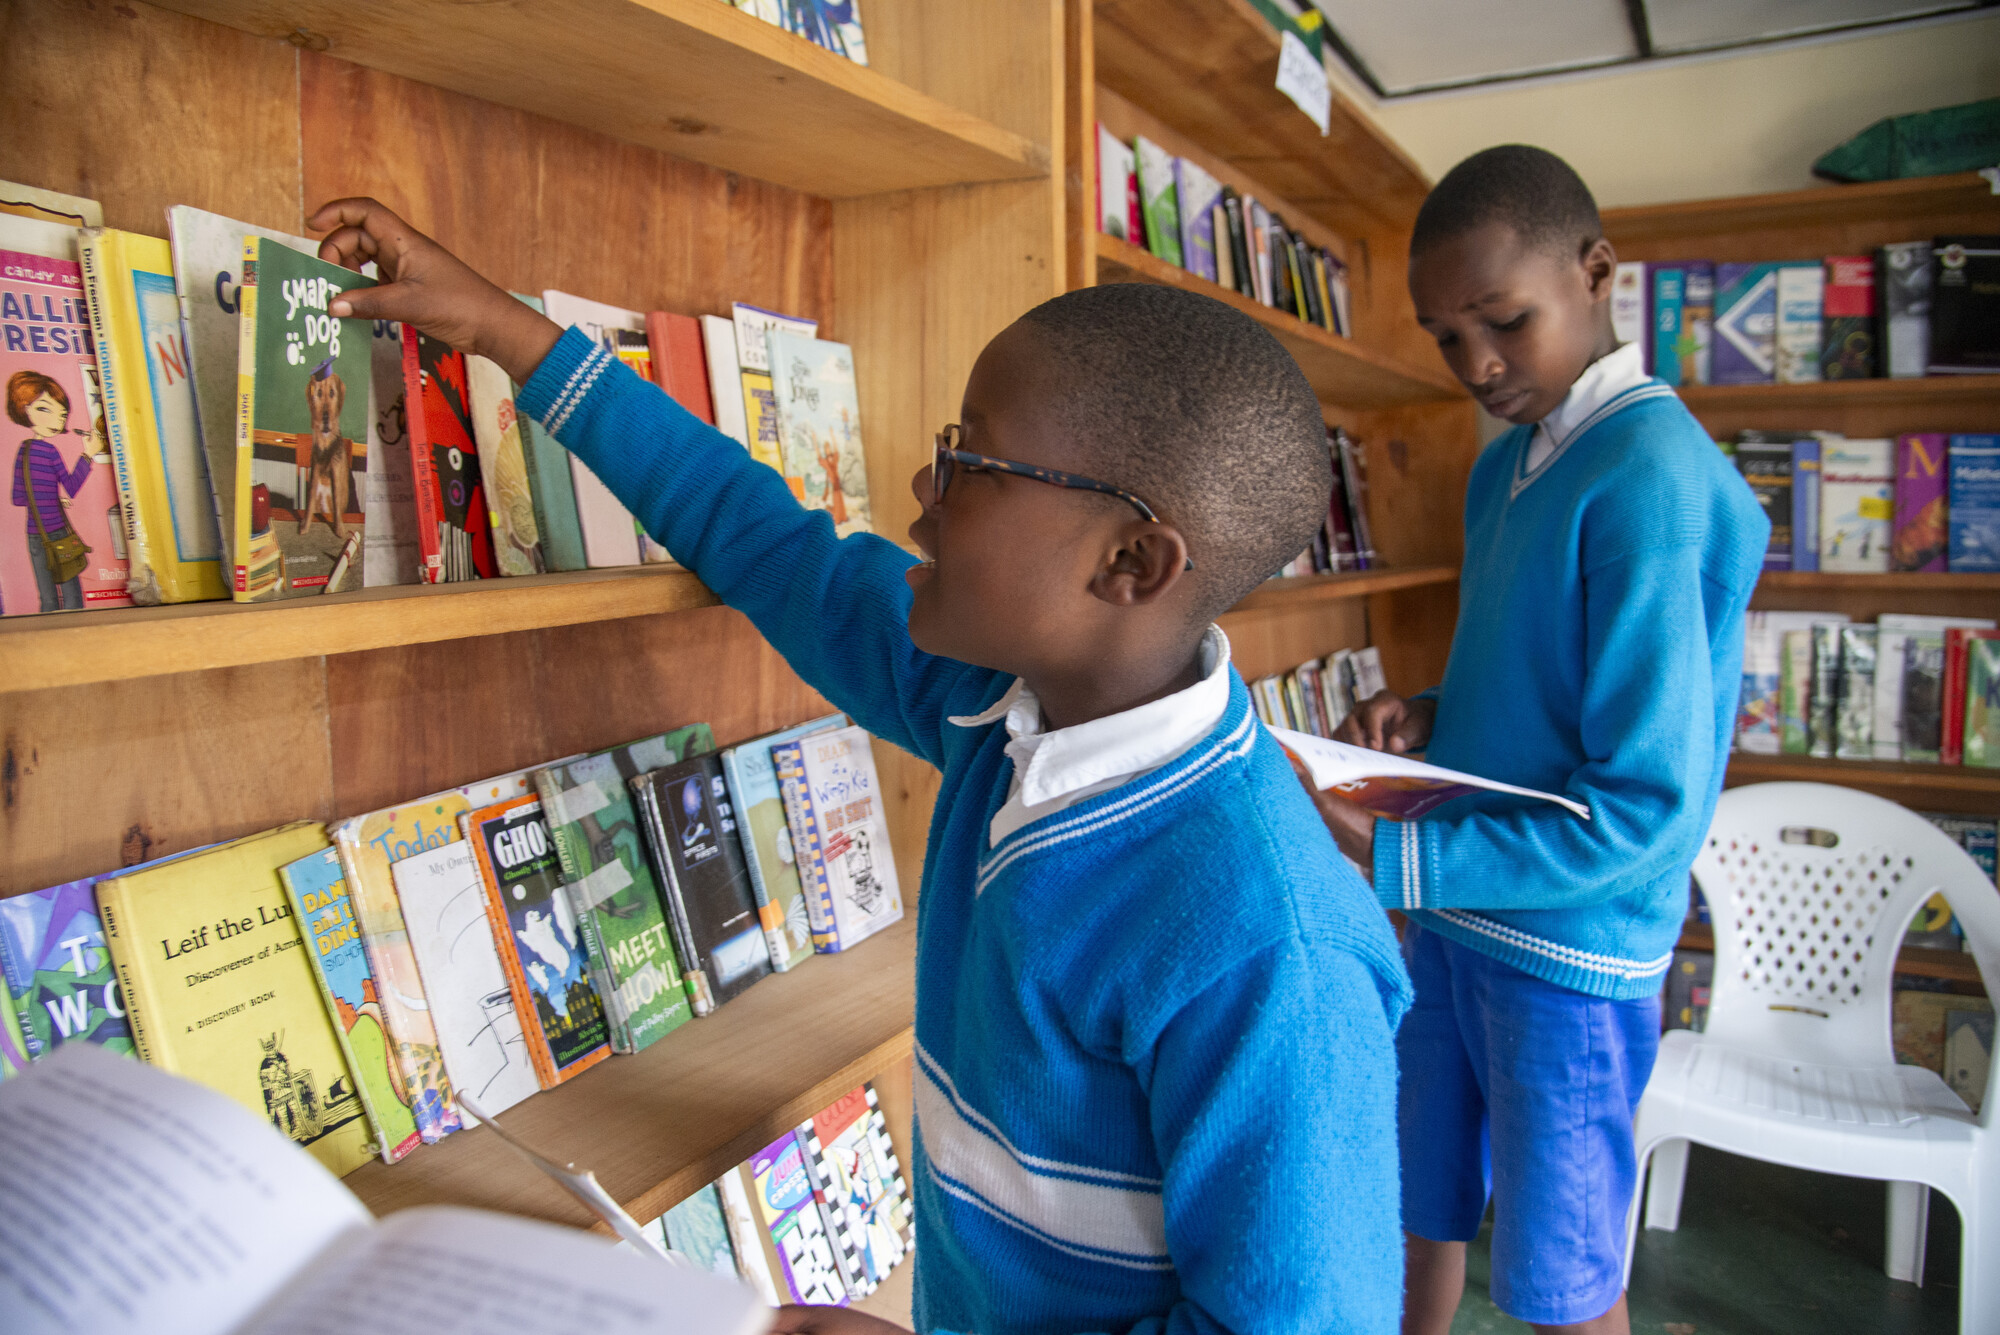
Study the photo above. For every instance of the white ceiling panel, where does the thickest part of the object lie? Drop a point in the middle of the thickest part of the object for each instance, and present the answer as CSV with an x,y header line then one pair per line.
x,y
1696,25
1414,44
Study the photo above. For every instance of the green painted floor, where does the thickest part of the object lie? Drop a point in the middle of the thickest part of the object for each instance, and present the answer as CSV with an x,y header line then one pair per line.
x,y
1764,1250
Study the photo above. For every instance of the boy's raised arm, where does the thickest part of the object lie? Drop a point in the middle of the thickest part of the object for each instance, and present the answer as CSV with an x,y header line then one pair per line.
x,y
837,610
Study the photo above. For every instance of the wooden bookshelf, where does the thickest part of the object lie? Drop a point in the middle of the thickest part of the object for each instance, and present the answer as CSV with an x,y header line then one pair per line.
x,y
1294,590
1952,966
1911,395
694,78
1893,774
1340,370
1971,582
1825,220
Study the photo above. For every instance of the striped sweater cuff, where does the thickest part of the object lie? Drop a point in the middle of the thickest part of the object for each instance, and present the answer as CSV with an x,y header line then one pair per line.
x,y
564,377
1402,851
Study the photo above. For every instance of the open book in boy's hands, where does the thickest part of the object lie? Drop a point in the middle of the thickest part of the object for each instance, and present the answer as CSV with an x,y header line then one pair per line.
x,y
1393,787
139,1201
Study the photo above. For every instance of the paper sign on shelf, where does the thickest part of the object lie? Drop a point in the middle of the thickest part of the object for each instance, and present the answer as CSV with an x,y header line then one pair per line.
x,y
1303,79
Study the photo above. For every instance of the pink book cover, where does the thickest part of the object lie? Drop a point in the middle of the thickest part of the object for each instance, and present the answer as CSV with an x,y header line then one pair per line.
x,y
1921,534
55,452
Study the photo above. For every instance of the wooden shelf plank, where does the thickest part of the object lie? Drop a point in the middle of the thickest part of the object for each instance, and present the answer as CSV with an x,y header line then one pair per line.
x,y
694,78
1833,394
1913,582
71,649
1209,68
1746,768
1911,962
1340,370
657,1125
1915,206
1296,589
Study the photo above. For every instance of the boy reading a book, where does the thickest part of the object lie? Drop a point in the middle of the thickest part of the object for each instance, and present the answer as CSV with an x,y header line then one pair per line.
x,y
1154,1015
1610,552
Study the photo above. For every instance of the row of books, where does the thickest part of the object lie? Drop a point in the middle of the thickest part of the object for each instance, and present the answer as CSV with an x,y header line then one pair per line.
x,y
1315,696
497,938
1344,541
1908,688
831,1209
1911,309
199,427
1183,215
1922,502
833,24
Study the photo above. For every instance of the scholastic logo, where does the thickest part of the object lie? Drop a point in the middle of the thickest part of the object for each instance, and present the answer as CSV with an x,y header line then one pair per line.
x,y
1952,256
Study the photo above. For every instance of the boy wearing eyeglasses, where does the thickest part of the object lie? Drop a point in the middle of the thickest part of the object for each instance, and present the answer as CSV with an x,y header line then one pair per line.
x,y
1155,1084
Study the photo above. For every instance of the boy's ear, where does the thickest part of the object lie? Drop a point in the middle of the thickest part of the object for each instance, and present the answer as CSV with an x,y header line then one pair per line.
x,y
1147,563
1600,266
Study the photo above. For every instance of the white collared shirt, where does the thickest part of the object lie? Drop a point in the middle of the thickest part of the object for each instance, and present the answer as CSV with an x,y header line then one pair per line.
x,y
1603,380
1055,770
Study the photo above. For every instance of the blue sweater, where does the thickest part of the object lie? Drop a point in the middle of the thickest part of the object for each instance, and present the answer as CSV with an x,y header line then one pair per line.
x,y
1598,652
1155,1081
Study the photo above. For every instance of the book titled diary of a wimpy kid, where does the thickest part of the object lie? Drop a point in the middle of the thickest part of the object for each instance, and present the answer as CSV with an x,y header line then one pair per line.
x,y
834,801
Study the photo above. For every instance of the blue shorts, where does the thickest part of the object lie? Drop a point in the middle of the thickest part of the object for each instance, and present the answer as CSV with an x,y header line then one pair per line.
x,y
1523,1091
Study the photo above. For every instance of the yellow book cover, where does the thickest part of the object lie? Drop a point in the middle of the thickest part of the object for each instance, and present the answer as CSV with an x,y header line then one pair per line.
x,y
760,411
149,416
218,988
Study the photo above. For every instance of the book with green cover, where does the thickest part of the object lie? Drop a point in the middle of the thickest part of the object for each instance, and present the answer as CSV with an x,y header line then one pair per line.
x,y
1158,203
611,886
550,487
1982,698
316,889
213,971
13,1051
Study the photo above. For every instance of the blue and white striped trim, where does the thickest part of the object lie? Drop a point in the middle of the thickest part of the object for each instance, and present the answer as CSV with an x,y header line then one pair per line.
x,y
1094,1214
576,388
1611,966
1038,836
1413,868
1652,389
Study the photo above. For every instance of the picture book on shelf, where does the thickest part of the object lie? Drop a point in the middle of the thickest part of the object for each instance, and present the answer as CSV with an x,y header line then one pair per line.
x,y
452,528
213,972
1965,306
856,1176
610,534
391,553
1743,348
172,548
746,1234
1921,534
510,505
57,970
763,428
834,802
301,428
725,380
1115,165
1982,699
819,427
1857,504
679,366
206,1222
767,841
1975,503
317,894
207,252
1905,271
471,1004
781,1184
697,1230
551,487
693,833
611,891
1800,297
1157,200
1849,351
49,206
62,532
1196,193
540,949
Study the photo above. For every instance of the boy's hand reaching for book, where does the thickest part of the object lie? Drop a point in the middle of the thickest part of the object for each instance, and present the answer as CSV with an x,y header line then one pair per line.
x,y
796,1320
1386,721
423,284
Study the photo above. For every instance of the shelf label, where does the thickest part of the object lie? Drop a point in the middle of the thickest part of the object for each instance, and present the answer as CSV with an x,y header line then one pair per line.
x,y
1303,79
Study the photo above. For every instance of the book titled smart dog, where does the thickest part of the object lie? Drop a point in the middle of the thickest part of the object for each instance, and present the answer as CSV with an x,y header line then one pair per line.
x,y
301,429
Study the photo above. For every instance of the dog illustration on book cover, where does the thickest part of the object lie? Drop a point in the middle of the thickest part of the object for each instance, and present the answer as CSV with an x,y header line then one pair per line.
x,y
326,485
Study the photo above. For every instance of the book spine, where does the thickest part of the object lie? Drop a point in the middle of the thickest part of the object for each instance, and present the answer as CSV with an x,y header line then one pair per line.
x,y
92,245
1951,741
799,815
1239,247
1354,473
138,1002
246,417
1669,297
760,893
15,979
423,470
549,791
694,978
1801,295
532,1036
379,1144
1805,504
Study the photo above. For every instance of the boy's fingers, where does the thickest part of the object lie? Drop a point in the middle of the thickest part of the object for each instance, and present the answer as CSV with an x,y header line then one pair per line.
x,y
389,301
350,247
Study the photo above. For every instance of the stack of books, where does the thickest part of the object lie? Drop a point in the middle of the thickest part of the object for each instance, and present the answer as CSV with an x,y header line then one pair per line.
x,y
1315,696
1345,541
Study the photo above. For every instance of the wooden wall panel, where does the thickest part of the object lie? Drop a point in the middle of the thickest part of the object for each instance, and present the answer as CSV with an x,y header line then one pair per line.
x,y
142,109
1419,459
1278,639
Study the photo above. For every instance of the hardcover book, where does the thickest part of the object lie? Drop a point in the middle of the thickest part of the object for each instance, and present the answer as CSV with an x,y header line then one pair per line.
x,y
678,364
1965,306
1849,351
725,380
1921,535
1765,460
544,956
301,428
1195,195
207,253
1906,271
1157,200
1801,289
834,800
1743,350
612,892
767,841
1805,503
860,1186
552,488
317,894
610,534
1628,307
452,526
510,504
781,1184
695,840
819,426
1975,503
217,988
1857,504
390,551
57,970
149,412
1115,165
62,534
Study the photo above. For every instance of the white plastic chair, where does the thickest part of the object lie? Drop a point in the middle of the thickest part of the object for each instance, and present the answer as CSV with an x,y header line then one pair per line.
x,y
1795,1065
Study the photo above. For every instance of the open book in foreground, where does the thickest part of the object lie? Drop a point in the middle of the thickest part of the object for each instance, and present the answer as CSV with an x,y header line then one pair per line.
x,y
1390,786
139,1201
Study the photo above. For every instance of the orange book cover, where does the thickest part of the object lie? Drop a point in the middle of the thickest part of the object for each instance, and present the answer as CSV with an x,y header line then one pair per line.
x,y
679,365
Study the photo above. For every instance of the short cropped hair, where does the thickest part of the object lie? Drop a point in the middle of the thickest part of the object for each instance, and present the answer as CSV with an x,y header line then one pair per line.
x,y
24,387
1529,189
1197,409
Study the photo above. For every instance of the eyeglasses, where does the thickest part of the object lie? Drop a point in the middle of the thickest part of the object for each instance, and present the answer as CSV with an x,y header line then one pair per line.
x,y
949,456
